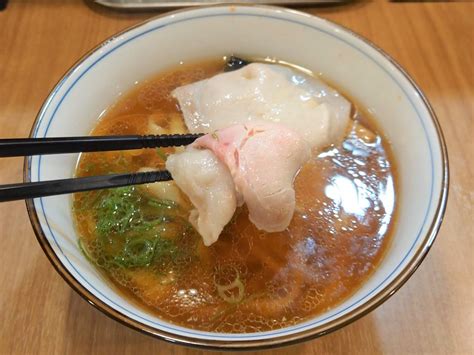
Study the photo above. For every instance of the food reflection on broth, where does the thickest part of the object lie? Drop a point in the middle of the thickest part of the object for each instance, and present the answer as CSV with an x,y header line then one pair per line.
x,y
249,280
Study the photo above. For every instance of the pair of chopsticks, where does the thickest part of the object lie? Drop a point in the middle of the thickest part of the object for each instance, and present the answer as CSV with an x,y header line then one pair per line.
x,y
41,146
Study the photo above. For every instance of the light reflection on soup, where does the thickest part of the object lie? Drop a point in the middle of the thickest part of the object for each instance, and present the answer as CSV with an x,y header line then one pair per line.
x,y
249,280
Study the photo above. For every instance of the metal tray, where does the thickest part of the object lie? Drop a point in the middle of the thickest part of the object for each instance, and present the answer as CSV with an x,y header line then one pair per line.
x,y
157,4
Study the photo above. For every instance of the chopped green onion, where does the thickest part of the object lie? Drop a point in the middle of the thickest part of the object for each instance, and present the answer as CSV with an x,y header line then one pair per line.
x,y
161,154
131,229
167,204
84,251
137,252
225,291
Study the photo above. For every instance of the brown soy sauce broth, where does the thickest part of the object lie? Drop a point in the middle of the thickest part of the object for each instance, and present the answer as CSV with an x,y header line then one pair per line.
x,y
250,280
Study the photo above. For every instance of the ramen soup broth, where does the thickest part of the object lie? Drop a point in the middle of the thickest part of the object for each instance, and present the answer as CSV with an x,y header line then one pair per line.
x,y
249,280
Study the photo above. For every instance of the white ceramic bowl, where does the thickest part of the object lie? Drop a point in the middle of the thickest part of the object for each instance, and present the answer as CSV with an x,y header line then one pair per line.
x,y
349,61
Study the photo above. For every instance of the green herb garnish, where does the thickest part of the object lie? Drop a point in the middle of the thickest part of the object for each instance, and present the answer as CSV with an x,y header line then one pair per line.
x,y
162,154
132,229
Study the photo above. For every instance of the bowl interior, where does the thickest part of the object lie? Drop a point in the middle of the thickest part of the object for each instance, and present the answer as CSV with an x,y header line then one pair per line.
x,y
347,61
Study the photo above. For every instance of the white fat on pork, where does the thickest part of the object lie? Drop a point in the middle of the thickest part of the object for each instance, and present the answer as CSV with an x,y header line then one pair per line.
x,y
271,92
255,163
263,159
209,185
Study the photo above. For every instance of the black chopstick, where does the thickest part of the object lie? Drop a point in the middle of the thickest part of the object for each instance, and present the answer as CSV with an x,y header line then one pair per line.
x,y
23,191
37,146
